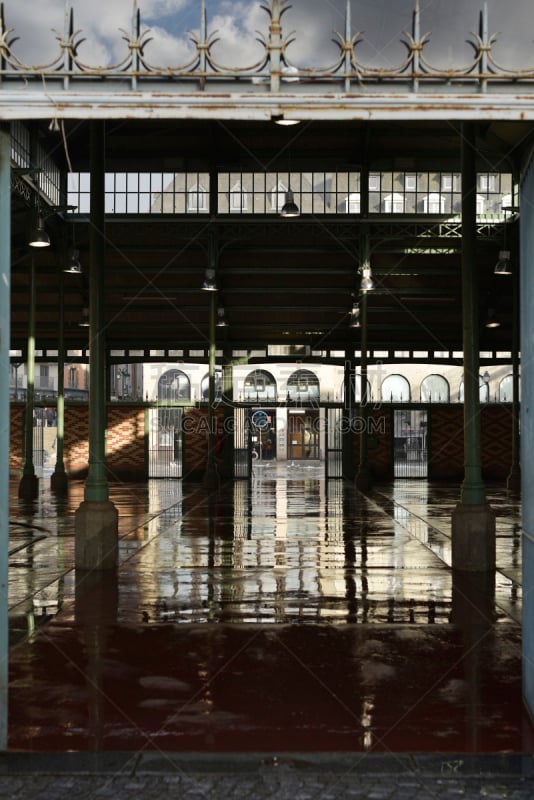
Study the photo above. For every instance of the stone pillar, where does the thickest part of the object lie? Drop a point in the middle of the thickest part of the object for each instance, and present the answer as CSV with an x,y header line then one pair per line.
x,y
96,519
473,520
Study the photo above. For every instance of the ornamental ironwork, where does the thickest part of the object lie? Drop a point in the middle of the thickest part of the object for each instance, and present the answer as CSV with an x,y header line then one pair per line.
x,y
275,66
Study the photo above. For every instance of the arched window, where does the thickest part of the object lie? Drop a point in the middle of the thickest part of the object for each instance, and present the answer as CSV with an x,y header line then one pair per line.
x,y
197,198
506,389
435,389
303,386
259,385
174,385
395,389
205,385
238,198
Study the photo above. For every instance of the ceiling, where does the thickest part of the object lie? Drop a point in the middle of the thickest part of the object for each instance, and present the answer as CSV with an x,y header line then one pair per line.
x,y
281,281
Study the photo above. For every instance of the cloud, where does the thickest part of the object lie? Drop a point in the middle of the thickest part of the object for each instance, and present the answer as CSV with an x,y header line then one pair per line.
x,y
237,24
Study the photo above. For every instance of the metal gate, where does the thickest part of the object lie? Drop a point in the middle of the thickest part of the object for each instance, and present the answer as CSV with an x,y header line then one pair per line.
x,y
165,440
242,443
334,442
410,456
38,444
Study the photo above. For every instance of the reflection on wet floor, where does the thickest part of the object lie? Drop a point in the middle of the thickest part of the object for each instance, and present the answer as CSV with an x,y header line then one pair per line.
x,y
290,612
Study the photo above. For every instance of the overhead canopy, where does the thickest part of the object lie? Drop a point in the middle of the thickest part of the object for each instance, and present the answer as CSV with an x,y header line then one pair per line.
x,y
197,170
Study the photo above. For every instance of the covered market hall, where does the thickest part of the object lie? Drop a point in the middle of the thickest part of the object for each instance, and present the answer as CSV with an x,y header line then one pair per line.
x,y
263,486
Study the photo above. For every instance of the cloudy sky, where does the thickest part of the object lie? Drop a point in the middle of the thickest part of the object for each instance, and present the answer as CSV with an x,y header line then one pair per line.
x,y
382,22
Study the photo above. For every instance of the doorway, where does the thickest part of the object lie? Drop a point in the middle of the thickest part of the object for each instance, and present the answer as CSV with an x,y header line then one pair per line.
x,y
303,441
263,434
165,442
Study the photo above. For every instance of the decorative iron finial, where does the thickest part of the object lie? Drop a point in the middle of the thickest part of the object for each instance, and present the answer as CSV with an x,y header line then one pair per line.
x,y
273,67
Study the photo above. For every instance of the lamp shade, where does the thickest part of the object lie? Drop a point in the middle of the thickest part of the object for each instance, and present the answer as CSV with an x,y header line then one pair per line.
x,y
73,264
503,265
39,237
367,283
491,319
290,208
287,121
209,284
221,319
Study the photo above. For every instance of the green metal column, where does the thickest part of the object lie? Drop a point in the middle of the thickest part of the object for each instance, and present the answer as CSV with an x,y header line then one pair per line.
x,y
363,478
58,479
96,520
473,521
473,490
349,410
96,487
211,476
229,414
5,324
29,483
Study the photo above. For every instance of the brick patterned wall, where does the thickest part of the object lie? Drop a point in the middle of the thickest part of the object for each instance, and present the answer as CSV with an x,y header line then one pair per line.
x,y
496,429
76,441
126,443
380,445
126,448
16,434
446,442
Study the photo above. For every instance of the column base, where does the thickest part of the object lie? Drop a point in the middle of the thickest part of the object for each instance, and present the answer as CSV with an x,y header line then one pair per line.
x,y
473,537
473,602
59,483
29,487
96,526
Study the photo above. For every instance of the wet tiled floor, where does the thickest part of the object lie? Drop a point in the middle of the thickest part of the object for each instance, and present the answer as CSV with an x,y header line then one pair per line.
x,y
288,614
